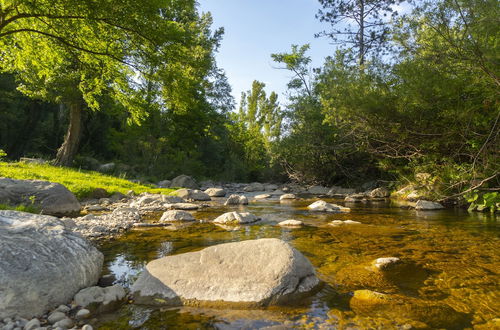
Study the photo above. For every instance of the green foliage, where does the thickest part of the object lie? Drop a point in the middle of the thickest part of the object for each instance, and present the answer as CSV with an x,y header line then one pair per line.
x,y
480,201
21,208
81,183
2,154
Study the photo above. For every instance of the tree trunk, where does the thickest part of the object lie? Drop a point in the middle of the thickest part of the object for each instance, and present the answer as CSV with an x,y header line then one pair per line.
x,y
68,149
362,34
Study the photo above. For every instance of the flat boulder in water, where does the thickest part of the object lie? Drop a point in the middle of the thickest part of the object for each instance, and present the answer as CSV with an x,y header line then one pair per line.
x,y
256,272
236,218
50,197
42,264
322,206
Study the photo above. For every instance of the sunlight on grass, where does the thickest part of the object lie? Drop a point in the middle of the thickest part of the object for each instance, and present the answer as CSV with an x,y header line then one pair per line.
x,y
80,182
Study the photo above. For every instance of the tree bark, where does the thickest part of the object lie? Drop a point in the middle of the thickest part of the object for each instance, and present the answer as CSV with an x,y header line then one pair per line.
x,y
66,153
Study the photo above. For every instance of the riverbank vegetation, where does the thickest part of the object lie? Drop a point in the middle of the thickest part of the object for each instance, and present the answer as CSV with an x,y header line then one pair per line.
x,y
80,182
403,97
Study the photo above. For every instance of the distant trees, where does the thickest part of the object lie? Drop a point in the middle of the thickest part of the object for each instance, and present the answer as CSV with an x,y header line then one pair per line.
x,y
363,24
73,52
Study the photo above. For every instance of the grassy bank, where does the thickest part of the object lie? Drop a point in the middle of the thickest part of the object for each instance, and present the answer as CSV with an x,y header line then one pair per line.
x,y
81,183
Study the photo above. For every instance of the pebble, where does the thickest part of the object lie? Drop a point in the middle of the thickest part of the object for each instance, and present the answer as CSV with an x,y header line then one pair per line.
x,y
65,323
33,324
63,309
56,317
83,314
87,327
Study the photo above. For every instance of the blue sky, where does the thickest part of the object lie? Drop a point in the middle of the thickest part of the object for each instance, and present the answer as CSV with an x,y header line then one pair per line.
x,y
254,29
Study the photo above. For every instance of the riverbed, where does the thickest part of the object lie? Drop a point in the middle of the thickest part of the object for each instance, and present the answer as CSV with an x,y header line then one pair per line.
x,y
455,251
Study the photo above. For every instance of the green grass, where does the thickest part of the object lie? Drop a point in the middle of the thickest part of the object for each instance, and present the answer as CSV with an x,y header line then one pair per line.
x,y
22,208
79,182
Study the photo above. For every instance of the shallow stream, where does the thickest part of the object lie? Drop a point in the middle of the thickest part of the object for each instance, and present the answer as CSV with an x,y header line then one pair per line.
x,y
456,255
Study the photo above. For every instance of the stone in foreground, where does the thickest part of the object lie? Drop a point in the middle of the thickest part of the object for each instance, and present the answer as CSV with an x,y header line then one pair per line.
x,y
51,198
250,273
42,264
236,218
322,206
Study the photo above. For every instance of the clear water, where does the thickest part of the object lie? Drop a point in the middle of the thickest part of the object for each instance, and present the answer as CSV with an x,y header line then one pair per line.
x,y
455,284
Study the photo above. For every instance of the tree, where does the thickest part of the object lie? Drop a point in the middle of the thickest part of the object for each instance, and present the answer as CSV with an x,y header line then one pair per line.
x,y
298,63
369,17
74,51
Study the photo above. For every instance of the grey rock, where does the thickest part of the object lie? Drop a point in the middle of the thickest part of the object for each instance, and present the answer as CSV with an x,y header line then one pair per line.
x,y
52,198
379,193
56,317
63,309
236,218
172,199
183,206
59,263
65,323
263,196
322,206
164,184
287,197
236,200
82,314
270,187
423,205
291,223
176,215
215,192
193,195
32,324
318,190
184,181
255,186
100,298
258,272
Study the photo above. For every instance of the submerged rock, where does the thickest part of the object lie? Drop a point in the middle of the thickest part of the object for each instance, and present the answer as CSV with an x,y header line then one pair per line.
x,y
100,299
51,198
433,314
322,206
255,272
42,264
337,223
236,218
263,196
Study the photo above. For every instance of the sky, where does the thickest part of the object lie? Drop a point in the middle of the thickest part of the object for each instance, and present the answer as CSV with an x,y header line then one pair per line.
x,y
254,29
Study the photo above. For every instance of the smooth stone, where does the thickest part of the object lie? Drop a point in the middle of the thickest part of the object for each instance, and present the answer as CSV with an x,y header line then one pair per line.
x,y
236,218
322,206
176,215
83,314
42,264
287,197
291,223
386,263
184,181
55,317
65,323
423,205
263,196
51,198
32,324
63,308
193,195
236,200
87,327
215,192
101,299
337,223
254,272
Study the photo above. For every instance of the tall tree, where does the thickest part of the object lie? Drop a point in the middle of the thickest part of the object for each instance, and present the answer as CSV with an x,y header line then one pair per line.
x,y
74,51
368,31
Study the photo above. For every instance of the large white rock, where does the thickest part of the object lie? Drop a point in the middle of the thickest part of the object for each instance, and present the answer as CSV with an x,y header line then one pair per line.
x,y
236,218
427,205
42,265
52,198
322,206
257,272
